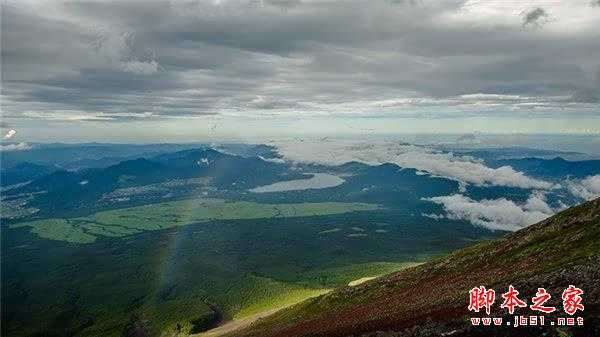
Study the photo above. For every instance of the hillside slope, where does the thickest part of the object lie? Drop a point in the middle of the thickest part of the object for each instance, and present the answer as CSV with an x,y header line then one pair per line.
x,y
432,299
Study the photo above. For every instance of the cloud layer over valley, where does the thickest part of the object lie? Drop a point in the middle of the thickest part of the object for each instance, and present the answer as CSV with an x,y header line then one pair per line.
x,y
496,214
587,189
466,170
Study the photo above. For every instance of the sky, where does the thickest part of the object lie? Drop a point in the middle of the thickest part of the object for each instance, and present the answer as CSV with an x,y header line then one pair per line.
x,y
261,69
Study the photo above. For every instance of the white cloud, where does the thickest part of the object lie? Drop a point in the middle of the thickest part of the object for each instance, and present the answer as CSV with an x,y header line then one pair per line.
x,y
496,214
588,188
272,160
267,103
64,115
466,170
15,147
140,67
10,133
80,116
560,16
115,49
401,58
475,103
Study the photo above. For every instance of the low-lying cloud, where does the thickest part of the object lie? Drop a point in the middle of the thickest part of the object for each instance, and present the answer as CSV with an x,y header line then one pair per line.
x,y
587,188
494,214
466,170
15,147
10,133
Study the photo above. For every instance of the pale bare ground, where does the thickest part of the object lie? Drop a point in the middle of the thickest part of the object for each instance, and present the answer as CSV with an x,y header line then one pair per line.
x,y
369,278
360,281
237,324
234,325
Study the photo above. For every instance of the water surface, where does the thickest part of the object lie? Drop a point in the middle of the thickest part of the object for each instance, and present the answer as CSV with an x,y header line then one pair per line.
x,y
317,181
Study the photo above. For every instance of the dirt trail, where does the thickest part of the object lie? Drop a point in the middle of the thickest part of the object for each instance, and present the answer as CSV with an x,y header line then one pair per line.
x,y
234,325
361,281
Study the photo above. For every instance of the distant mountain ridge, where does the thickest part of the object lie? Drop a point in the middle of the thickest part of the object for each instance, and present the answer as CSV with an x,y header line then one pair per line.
x,y
74,156
59,192
65,191
551,168
23,172
432,299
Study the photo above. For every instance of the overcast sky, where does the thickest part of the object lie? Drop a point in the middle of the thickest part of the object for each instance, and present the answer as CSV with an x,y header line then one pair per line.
x,y
185,70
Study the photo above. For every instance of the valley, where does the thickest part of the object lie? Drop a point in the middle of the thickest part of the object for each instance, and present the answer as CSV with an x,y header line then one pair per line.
x,y
183,242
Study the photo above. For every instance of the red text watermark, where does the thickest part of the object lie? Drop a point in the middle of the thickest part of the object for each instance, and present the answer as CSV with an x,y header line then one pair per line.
x,y
482,299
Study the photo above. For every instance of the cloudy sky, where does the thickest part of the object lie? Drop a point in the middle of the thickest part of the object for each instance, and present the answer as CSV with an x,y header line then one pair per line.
x,y
197,70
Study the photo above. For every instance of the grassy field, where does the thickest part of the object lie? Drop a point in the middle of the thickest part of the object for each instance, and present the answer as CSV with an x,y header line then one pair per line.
x,y
430,299
346,274
133,220
186,278
257,294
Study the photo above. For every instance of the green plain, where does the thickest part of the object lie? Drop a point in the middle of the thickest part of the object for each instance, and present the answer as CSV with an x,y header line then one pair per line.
x,y
133,220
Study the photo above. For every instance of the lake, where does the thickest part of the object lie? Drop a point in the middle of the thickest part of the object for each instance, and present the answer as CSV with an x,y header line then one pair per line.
x,y
317,181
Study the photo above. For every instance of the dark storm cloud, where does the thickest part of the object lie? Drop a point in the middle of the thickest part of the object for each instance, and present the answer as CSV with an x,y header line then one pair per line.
x,y
158,59
535,17
586,96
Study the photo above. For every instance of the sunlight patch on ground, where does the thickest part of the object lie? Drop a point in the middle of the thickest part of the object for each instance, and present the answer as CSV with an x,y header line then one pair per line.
x,y
360,281
128,221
